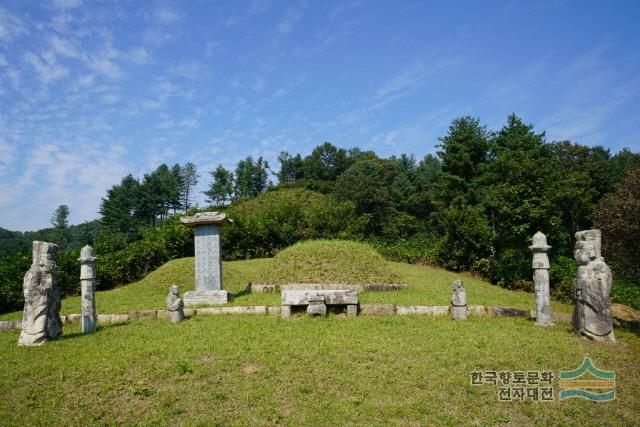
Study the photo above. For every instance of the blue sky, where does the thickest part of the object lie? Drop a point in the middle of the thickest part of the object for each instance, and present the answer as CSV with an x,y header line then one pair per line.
x,y
92,91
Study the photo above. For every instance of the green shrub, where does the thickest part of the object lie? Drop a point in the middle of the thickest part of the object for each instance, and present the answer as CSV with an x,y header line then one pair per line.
x,y
626,293
416,249
562,275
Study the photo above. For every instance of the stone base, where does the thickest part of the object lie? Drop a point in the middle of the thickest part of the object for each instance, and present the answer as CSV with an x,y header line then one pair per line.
x,y
459,312
207,297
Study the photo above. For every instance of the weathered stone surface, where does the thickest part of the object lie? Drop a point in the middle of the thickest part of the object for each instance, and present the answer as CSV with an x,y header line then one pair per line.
x,y
163,314
263,289
144,314
592,315
377,309
477,310
206,229
352,310
405,310
385,287
106,319
507,312
188,312
6,325
316,306
320,287
440,310
331,297
540,265
73,318
88,289
625,314
285,311
207,297
458,300
250,309
41,319
273,309
175,306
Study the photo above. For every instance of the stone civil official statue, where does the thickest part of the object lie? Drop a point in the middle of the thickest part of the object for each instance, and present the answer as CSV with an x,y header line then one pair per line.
x,y
592,312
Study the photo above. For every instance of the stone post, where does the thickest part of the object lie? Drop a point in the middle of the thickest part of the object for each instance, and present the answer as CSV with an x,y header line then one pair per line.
x,y
540,266
459,307
41,316
88,289
206,228
175,305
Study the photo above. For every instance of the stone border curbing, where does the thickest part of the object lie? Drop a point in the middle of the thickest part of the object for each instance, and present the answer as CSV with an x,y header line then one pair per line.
x,y
365,310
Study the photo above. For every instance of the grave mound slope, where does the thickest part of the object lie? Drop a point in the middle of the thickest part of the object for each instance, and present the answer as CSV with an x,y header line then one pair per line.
x,y
328,261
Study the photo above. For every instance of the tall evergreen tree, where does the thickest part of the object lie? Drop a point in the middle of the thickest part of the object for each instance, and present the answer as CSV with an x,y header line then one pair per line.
x,y
190,177
221,189
60,222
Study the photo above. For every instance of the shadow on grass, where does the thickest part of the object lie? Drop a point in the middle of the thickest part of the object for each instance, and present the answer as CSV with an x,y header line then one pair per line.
x,y
98,330
243,293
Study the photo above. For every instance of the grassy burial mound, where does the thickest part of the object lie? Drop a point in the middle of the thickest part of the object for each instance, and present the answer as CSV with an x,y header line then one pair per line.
x,y
328,261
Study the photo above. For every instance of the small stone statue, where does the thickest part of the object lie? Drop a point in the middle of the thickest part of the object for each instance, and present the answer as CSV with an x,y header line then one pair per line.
x,y
592,311
41,317
540,265
458,301
317,306
88,289
175,307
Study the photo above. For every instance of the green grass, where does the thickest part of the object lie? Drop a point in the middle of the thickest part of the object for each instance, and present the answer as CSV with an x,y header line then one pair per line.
x,y
327,261
427,286
263,370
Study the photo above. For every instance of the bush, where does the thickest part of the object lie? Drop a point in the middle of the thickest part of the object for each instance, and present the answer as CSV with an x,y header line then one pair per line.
x,y
416,249
626,293
277,219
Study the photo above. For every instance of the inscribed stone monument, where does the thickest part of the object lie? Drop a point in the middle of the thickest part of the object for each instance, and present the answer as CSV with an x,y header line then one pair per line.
x,y
41,317
206,229
88,289
540,265
458,301
592,311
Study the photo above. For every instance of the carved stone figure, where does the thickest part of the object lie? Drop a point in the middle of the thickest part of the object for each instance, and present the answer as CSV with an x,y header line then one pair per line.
x,y
88,289
592,311
175,307
459,301
41,317
317,306
540,265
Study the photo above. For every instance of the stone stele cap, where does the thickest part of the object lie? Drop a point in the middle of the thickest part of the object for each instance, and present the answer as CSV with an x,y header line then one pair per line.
x,y
539,242
203,218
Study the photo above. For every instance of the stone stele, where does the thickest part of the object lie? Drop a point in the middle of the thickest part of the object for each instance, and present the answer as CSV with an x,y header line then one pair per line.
x,y
41,317
206,228
592,311
175,307
540,265
88,289
458,301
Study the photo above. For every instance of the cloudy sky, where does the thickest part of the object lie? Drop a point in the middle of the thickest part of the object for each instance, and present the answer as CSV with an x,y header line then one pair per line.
x,y
93,90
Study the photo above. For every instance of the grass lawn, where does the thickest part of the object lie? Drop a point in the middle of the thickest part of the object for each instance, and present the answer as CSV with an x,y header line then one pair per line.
x,y
264,370
428,286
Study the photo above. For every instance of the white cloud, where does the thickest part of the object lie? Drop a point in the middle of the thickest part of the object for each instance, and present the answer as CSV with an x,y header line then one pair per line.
x,y
258,6
47,68
166,15
7,153
66,4
290,19
138,55
10,26
231,21
190,69
64,47
3,60
105,67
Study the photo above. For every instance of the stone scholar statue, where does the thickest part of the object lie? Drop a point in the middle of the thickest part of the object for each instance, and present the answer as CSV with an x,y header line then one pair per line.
x,y
592,312
175,307
540,265
41,317
458,301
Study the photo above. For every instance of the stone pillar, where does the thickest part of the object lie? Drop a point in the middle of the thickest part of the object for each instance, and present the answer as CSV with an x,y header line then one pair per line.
x,y
206,228
41,316
540,265
88,289
459,307
592,315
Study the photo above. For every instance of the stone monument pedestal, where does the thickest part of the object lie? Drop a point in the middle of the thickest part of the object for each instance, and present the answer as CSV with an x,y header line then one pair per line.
x,y
207,297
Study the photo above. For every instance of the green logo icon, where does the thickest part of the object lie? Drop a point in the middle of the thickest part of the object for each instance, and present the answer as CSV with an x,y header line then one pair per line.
x,y
588,382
